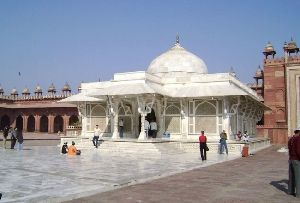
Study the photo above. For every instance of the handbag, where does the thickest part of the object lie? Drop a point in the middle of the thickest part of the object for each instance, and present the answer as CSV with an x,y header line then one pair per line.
x,y
206,148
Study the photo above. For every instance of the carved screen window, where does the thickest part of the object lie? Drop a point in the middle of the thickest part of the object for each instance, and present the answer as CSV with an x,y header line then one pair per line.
x,y
173,118
99,117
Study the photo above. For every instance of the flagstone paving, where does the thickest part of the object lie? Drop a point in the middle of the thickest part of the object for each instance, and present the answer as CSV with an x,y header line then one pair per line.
x,y
261,178
42,174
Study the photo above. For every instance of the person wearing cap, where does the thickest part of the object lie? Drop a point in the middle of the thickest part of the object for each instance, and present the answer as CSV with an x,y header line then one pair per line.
x,y
294,164
202,145
72,150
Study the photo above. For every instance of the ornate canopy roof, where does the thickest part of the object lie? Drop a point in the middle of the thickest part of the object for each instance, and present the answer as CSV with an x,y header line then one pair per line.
x,y
177,59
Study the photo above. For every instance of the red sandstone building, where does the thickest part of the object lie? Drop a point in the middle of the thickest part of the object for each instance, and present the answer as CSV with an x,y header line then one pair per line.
x,y
278,83
38,112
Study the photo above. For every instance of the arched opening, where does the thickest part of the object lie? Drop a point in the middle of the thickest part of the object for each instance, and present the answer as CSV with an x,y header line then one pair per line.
x,y
58,124
73,120
19,122
31,124
5,121
44,124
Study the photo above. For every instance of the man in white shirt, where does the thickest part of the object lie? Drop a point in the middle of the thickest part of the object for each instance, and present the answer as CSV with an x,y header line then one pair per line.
x,y
121,127
153,128
97,133
146,127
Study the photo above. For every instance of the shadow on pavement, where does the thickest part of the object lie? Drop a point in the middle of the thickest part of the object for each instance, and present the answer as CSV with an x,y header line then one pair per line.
x,y
281,185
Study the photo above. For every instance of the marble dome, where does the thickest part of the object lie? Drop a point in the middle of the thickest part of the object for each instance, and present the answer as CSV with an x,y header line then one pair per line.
x,y
177,59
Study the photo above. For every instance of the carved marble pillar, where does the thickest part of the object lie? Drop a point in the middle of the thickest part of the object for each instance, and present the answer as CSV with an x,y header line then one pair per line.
x,y
226,118
184,119
143,109
115,115
160,119
142,135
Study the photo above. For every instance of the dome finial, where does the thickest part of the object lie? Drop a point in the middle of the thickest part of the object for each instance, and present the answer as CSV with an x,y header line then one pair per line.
x,y
177,39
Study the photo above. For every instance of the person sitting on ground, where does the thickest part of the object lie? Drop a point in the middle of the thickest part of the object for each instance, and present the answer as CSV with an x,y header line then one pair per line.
x,y
239,135
245,136
72,150
64,148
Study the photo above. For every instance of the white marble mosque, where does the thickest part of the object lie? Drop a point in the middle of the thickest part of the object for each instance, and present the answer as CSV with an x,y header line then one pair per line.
x,y
177,92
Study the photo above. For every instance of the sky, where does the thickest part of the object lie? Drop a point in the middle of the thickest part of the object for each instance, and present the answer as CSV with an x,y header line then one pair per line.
x,y
59,41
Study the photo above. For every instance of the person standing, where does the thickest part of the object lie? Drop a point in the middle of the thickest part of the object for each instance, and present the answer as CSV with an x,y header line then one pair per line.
x,y
5,135
223,142
13,137
96,136
20,139
202,145
294,164
146,127
121,127
153,127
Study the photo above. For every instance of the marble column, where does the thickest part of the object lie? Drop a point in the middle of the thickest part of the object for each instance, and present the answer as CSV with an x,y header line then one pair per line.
x,y
160,119
142,135
226,118
115,114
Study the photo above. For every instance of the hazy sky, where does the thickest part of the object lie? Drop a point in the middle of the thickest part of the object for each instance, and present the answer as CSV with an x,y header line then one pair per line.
x,y
71,41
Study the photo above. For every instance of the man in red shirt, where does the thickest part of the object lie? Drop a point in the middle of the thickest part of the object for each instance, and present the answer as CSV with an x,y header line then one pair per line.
x,y
294,164
202,143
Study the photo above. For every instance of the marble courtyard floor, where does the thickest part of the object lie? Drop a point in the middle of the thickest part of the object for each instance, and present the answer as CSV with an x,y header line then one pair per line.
x,y
42,174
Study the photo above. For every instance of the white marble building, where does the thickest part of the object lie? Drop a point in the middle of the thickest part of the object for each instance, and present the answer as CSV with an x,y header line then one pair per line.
x,y
178,92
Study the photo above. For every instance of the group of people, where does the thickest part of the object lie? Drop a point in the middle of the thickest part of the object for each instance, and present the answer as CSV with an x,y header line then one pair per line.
x,y
294,164
71,150
150,128
242,137
16,136
223,142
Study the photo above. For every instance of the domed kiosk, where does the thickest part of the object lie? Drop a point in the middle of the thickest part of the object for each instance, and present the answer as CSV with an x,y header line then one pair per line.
x,y
177,60
177,92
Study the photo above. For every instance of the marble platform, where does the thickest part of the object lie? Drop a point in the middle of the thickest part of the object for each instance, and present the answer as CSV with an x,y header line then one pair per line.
x,y
42,174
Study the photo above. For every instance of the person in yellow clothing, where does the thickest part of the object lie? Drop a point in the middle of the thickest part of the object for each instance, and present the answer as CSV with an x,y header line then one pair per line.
x,y
72,150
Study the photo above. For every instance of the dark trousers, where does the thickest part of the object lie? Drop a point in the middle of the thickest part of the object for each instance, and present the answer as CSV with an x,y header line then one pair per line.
x,y
202,150
121,130
95,141
154,133
13,143
294,178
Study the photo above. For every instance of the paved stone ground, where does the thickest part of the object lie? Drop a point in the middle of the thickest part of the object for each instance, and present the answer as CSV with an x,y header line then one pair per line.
x,y
261,178
40,173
